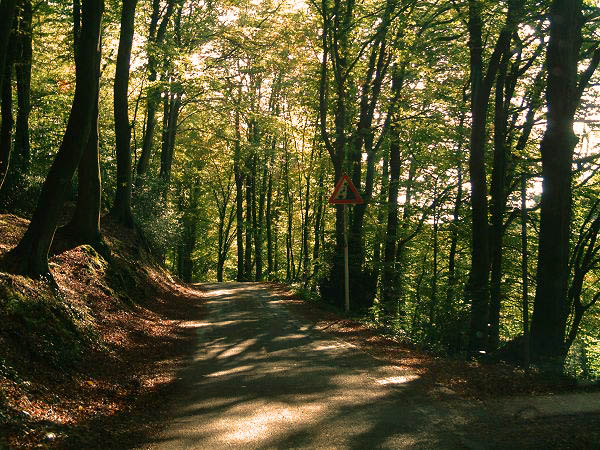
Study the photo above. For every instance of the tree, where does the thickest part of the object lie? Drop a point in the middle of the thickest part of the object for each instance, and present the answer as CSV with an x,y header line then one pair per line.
x,y
7,13
23,53
84,226
563,95
30,256
6,106
121,209
482,79
156,36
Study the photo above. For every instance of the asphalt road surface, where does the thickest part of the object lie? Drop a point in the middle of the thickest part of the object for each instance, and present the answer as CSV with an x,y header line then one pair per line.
x,y
261,378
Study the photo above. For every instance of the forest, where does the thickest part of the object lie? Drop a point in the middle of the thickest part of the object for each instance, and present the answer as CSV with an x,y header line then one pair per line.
x,y
217,129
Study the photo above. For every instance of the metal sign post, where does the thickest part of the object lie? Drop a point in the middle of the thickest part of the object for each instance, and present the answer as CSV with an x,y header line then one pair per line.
x,y
345,193
346,270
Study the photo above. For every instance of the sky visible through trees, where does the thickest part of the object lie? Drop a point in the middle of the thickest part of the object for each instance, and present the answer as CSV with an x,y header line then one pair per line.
x,y
218,129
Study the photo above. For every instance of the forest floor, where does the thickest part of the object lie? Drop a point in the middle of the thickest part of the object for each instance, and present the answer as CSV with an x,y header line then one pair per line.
x,y
88,366
95,362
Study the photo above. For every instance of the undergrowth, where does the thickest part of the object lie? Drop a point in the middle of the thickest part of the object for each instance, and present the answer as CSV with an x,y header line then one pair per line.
x,y
46,328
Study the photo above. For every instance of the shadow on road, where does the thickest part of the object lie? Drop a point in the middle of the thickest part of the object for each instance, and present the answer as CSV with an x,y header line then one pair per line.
x,y
260,378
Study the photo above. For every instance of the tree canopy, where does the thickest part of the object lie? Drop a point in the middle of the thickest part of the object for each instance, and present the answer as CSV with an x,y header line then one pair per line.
x,y
217,129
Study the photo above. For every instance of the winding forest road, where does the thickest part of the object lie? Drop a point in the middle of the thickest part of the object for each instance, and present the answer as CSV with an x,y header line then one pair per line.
x,y
261,378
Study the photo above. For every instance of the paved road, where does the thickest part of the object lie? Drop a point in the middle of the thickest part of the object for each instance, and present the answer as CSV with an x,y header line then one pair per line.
x,y
262,379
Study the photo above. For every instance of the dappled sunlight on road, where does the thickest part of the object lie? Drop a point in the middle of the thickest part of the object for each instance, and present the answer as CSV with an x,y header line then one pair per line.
x,y
262,378
397,380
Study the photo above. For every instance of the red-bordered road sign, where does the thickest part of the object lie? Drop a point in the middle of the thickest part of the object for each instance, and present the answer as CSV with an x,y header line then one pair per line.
x,y
345,193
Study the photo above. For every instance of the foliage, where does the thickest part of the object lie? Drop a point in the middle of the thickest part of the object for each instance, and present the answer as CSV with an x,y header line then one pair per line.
x,y
248,111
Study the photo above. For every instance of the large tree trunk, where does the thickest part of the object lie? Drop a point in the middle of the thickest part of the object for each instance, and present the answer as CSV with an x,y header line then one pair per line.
x,y
549,315
84,226
121,209
30,256
479,275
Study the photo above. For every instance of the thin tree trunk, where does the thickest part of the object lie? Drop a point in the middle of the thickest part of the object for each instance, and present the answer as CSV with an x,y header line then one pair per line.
x,y
248,224
498,203
258,244
434,275
189,238
318,226
269,218
239,198
379,238
288,237
6,115
22,150
450,294
172,107
305,253
524,274
389,285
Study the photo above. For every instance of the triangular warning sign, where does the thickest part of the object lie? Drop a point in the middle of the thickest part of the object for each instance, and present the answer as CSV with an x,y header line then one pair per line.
x,y
345,193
